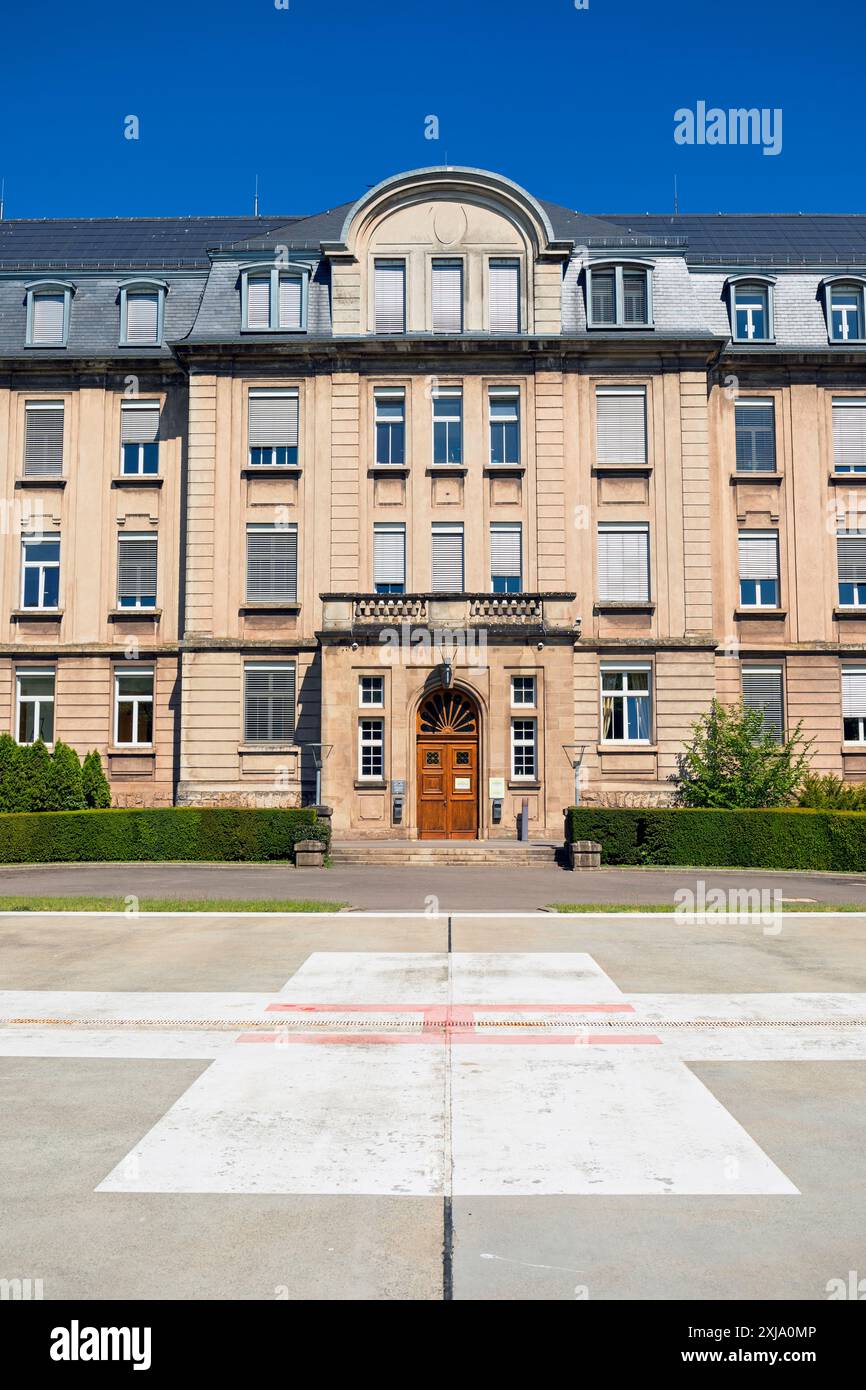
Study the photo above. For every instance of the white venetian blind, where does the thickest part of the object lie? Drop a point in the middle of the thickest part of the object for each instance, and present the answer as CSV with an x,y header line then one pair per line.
x,y
273,420
851,556
259,301
623,564
139,424
447,296
621,424
446,574
759,555
43,439
47,321
762,689
290,301
389,554
390,296
505,549
504,296
269,704
272,564
142,316
849,435
854,693
136,566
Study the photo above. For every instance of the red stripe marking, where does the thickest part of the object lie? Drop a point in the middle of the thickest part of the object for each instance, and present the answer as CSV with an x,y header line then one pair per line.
x,y
441,1035
426,1008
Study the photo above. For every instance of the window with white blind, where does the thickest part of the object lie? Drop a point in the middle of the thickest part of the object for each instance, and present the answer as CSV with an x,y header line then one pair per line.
x,y
272,564
133,707
35,700
626,709
141,314
623,562
269,702
854,704
504,292
273,429
851,560
371,750
136,571
390,422
48,309
619,296
389,557
139,438
762,690
274,298
43,439
621,436
755,436
447,296
504,409
524,755
849,435
389,293
446,570
506,567
448,425
759,569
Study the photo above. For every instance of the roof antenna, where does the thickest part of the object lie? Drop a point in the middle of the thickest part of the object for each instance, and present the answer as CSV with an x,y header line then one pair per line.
x,y
676,199
2,197
256,199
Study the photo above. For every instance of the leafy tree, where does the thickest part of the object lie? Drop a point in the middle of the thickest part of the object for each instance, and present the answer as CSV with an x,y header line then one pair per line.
x,y
733,761
832,794
65,789
97,792
30,778
9,752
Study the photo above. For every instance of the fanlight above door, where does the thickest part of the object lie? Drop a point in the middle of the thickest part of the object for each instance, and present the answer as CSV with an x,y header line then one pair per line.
x,y
450,713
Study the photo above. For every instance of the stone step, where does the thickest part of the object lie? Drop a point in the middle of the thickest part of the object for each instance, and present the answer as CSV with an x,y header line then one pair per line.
x,y
436,852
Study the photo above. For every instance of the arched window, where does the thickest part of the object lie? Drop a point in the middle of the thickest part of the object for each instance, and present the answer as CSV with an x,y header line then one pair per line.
x,y
751,301
142,309
48,304
619,295
274,298
843,304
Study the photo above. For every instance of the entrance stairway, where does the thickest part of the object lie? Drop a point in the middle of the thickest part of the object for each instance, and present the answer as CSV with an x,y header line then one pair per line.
x,y
504,853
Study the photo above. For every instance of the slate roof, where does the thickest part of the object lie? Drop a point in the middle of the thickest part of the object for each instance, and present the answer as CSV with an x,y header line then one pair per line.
x,y
127,242
757,238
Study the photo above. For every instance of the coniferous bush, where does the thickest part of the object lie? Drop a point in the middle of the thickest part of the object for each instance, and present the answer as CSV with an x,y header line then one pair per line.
x,y
65,786
97,792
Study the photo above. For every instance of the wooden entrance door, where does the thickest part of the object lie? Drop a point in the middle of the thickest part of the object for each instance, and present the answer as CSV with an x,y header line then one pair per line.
x,y
447,732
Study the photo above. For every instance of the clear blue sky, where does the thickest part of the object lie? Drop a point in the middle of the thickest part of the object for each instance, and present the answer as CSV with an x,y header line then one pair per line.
x,y
324,99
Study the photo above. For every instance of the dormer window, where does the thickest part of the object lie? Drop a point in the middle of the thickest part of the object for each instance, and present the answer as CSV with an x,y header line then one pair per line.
x,y
274,298
619,296
844,305
141,313
48,314
751,310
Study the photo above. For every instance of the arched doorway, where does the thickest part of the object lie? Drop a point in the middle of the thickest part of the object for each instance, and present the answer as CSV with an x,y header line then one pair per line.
x,y
447,738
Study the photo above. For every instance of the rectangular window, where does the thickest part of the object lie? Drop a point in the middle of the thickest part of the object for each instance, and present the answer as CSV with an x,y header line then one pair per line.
x,y
849,435
43,439
35,690
524,762
142,317
390,427
40,572
603,297
446,572
273,429
506,567
48,321
447,295
523,691
259,301
759,569
448,426
390,296
851,560
389,557
621,424
371,691
634,296
290,301
504,407
623,563
853,705
619,296
504,281
751,315
371,749
756,436
846,313
625,704
269,702
762,690
139,437
133,707
136,571
272,564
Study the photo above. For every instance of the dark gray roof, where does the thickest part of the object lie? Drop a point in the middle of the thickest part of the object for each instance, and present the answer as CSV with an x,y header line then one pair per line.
x,y
72,242
301,233
757,238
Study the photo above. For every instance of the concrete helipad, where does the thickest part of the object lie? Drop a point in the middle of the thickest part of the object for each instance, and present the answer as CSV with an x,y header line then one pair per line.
x,y
385,1106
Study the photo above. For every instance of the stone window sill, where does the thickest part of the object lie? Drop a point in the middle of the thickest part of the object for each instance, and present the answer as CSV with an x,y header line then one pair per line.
x,y
41,482
268,747
858,479
854,748
131,750
742,613
289,470
754,475
253,608
137,480
625,747
851,612
152,613
494,469
447,470
388,470
603,608
52,614
370,784
519,784
613,468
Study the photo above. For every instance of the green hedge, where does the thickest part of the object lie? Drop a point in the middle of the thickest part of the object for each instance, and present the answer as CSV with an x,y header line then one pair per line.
x,y
215,834
775,839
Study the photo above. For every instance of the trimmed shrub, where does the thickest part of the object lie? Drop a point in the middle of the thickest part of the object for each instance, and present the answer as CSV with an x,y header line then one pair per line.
x,y
215,834
65,787
97,792
9,751
790,838
29,788
832,794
